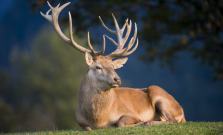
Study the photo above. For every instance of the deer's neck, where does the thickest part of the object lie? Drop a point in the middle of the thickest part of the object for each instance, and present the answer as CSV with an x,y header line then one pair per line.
x,y
93,99
91,88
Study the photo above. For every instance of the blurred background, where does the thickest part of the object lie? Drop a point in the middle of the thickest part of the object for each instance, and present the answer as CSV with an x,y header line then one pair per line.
x,y
180,49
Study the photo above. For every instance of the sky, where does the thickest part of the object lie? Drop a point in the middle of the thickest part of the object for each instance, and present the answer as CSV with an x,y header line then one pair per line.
x,y
190,83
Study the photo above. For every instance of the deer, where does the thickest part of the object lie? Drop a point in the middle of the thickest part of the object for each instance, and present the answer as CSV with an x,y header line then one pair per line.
x,y
102,103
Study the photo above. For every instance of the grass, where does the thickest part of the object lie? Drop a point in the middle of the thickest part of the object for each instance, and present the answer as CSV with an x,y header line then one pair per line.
x,y
194,128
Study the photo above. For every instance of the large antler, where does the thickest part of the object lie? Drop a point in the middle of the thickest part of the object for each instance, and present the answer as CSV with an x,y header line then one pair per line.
x,y
54,20
120,51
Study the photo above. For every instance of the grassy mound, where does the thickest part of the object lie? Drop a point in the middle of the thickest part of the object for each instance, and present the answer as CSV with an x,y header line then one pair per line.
x,y
197,128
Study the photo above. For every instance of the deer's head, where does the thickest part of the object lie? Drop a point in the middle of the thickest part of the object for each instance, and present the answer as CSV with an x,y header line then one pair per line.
x,y
101,68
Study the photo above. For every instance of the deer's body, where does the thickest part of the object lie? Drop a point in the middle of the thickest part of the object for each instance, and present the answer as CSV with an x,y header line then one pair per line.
x,y
104,109
101,102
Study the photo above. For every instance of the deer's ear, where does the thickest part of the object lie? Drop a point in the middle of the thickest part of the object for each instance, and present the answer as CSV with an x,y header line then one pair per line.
x,y
118,63
88,58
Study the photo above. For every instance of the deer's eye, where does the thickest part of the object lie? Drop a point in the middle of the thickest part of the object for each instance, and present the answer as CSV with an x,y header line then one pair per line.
x,y
98,68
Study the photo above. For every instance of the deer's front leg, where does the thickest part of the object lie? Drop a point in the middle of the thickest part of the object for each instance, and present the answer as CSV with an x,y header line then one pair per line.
x,y
87,128
127,121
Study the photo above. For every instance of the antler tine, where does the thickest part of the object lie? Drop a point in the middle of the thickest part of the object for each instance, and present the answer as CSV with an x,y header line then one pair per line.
x,y
113,41
49,5
129,27
58,5
118,32
109,30
89,44
47,13
78,47
123,28
63,6
103,48
47,16
132,41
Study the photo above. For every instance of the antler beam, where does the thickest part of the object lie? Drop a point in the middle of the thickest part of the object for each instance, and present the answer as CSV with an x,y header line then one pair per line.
x,y
53,19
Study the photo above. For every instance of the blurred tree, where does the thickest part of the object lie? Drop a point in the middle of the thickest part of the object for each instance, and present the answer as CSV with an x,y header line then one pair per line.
x,y
39,92
6,110
166,27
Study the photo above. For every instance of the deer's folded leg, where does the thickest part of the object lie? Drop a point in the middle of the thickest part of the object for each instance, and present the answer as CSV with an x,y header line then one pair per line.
x,y
127,121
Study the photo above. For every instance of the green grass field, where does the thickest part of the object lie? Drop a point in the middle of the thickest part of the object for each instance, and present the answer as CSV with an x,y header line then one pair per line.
x,y
194,128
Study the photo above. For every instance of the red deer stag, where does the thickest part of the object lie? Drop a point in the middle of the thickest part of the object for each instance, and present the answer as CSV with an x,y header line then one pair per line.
x,y
101,102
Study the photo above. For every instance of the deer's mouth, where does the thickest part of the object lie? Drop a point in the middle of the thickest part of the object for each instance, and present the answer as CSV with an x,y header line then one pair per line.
x,y
114,85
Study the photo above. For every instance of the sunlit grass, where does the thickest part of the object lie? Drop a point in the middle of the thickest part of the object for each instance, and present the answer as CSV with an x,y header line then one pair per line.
x,y
195,128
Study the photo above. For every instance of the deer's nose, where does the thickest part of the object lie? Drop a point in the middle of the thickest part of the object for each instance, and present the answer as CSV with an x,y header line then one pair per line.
x,y
117,80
